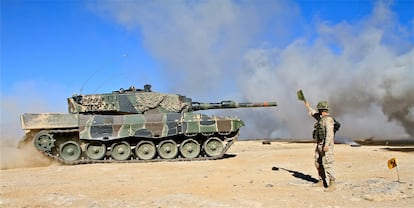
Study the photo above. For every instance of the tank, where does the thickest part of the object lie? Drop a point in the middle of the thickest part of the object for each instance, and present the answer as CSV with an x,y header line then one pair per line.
x,y
134,125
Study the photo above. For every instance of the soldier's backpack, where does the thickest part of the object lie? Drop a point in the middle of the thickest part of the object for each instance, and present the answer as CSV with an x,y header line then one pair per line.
x,y
337,125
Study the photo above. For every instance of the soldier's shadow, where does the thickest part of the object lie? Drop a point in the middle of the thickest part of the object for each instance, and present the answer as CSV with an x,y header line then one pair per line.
x,y
297,174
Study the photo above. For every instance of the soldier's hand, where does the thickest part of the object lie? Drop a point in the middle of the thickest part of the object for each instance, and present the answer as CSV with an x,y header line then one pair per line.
x,y
306,103
325,148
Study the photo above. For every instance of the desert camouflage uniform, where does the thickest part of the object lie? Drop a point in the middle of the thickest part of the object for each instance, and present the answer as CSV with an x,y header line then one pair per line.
x,y
324,160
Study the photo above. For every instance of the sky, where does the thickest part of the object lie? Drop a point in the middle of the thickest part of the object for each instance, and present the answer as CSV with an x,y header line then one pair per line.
x,y
357,55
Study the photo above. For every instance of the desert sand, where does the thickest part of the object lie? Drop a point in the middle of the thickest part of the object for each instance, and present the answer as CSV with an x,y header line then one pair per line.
x,y
253,174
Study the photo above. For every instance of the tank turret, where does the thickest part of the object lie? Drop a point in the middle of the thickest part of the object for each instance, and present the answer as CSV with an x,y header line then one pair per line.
x,y
130,101
134,125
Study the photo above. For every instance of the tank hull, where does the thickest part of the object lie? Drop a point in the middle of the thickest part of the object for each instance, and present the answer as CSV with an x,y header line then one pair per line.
x,y
79,138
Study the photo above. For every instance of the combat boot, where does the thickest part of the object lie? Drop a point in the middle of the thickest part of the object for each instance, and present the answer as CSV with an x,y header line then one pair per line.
x,y
331,187
318,184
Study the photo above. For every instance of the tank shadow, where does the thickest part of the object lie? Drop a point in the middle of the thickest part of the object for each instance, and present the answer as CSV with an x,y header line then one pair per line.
x,y
297,174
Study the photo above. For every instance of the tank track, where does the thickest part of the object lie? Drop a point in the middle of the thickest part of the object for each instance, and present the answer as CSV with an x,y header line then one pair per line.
x,y
132,160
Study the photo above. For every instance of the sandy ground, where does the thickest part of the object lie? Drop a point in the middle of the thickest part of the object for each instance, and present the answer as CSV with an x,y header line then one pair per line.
x,y
244,179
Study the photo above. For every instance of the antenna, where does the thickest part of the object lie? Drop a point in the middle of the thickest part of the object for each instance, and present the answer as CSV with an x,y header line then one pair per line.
x,y
93,74
87,80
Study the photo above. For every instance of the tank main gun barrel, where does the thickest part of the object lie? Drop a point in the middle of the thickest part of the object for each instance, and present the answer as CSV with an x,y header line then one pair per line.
x,y
196,106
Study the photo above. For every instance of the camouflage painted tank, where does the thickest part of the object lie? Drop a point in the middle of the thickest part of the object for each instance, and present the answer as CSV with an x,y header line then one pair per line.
x,y
134,125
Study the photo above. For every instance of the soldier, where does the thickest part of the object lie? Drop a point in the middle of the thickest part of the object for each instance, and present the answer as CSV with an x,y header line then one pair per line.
x,y
323,135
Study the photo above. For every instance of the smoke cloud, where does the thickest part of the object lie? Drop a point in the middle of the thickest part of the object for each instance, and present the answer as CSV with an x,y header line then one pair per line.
x,y
254,52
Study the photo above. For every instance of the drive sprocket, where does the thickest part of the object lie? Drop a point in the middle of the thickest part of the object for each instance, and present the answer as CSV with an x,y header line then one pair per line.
x,y
44,141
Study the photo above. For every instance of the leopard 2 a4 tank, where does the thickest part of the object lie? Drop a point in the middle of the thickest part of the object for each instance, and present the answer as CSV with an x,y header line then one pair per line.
x,y
134,125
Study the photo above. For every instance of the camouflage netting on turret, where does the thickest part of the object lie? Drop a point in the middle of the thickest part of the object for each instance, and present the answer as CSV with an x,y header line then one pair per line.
x,y
150,100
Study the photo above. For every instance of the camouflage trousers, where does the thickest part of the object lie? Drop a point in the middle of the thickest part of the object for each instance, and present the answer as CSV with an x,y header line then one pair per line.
x,y
324,164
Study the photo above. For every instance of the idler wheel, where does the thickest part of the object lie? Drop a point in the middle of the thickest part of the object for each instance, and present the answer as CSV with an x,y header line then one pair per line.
x,y
95,151
70,151
190,148
167,149
145,150
44,141
121,151
213,147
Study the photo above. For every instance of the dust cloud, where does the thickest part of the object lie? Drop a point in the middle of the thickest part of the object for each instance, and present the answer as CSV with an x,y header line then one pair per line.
x,y
25,156
25,97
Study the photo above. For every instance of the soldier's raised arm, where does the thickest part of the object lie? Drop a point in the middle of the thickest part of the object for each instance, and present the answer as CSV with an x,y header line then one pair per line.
x,y
312,112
